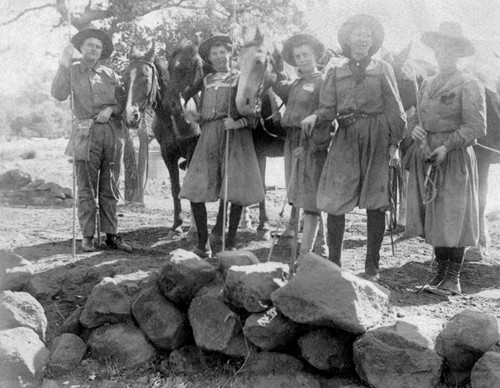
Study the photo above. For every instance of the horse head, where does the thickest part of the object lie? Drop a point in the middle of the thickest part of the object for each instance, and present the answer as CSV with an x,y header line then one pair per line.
x,y
140,80
406,76
259,62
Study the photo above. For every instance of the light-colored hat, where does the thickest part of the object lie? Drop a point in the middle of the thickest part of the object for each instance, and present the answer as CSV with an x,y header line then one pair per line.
x,y
450,33
81,36
301,40
214,41
345,30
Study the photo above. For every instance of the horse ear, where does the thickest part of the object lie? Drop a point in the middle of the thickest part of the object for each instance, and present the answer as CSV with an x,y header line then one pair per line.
x,y
197,39
259,37
150,55
403,56
133,52
278,60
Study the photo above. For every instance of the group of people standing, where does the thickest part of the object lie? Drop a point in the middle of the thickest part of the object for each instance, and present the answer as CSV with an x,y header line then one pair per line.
x,y
342,130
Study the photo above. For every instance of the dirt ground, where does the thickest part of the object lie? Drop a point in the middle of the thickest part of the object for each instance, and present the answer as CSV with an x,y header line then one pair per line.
x,y
44,237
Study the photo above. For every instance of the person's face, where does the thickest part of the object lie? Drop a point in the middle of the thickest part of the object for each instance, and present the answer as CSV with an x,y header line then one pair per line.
x,y
360,41
304,58
219,56
446,55
91,50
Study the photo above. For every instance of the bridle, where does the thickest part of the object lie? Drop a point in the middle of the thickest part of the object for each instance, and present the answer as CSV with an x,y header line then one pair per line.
x,y
151,95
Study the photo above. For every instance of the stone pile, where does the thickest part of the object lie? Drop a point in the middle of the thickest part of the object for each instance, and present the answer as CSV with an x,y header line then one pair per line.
x,y
290,330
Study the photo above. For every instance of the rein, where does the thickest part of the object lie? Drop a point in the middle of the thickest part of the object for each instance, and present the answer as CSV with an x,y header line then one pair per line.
x,y
152,94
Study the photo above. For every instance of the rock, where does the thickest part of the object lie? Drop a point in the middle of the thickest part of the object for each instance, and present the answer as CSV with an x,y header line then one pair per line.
x,y
215,327
250,286
164,324
66,353
14,179
47,383
20,309
183,275
328,350
463,341
23,358
270,330
322,294
420,328
187,360
486,372
383,358
42,286
272,362
122,343
227,259
106,304
285,380
15,272
72,323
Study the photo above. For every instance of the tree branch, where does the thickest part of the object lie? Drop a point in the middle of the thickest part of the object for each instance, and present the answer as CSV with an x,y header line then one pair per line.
x,y
21,14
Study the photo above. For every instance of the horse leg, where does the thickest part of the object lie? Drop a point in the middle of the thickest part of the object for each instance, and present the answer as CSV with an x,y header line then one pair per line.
x,y
263,230
479,252
175,188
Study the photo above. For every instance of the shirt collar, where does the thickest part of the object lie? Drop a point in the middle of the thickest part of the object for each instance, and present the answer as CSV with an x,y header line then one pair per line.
x,y
97,68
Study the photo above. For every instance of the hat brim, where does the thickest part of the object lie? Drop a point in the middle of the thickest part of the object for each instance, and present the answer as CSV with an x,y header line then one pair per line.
x,y
348,26
107,43
301,40
213,41
463,46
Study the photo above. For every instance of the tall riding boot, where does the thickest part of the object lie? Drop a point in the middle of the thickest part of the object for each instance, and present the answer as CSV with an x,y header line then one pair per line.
x,y
376,228
442,266
234,221
335,236
309,232
450,285
200,218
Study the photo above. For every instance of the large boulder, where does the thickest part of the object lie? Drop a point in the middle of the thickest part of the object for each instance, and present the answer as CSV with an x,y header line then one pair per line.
x,y
15,272
20,309
23,358
322,294
270,330
249,287
385,359
182,275
107,303
14,179
188,360
124,344
486,372
328,350
163,323
227,259
216,328
420,328
464,340
66,353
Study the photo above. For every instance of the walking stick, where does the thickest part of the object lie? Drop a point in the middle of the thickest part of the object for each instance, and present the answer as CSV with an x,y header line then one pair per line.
x,y
227,133
71,104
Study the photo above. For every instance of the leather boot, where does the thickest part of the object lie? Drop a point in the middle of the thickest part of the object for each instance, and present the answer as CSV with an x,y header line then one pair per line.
x,y
376,228
442,268
311,222
450,285
335,237
88,244
200,218
234,221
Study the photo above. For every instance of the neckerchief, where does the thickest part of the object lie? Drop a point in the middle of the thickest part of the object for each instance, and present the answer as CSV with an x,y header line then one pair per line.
x,y
358,68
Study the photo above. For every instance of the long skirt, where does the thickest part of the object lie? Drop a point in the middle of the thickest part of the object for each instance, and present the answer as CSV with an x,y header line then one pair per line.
x,y
451,218
356,171
204,180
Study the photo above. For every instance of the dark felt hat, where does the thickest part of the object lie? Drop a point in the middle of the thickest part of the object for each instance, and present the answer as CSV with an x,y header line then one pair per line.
x,y
81,36
451,34
214,41
345,30
301,40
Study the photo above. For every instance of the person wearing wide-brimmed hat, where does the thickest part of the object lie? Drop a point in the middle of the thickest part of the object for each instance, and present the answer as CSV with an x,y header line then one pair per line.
x,y
96,141
301,95
362,95
442,191
204,180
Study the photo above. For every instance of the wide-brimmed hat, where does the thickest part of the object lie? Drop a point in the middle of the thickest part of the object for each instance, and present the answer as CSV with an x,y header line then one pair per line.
x,y
451,34
214,41
301,40
361,20
81,36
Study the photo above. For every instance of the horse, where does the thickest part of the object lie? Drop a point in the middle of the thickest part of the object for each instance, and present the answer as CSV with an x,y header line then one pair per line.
x,y
487,148
159,83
